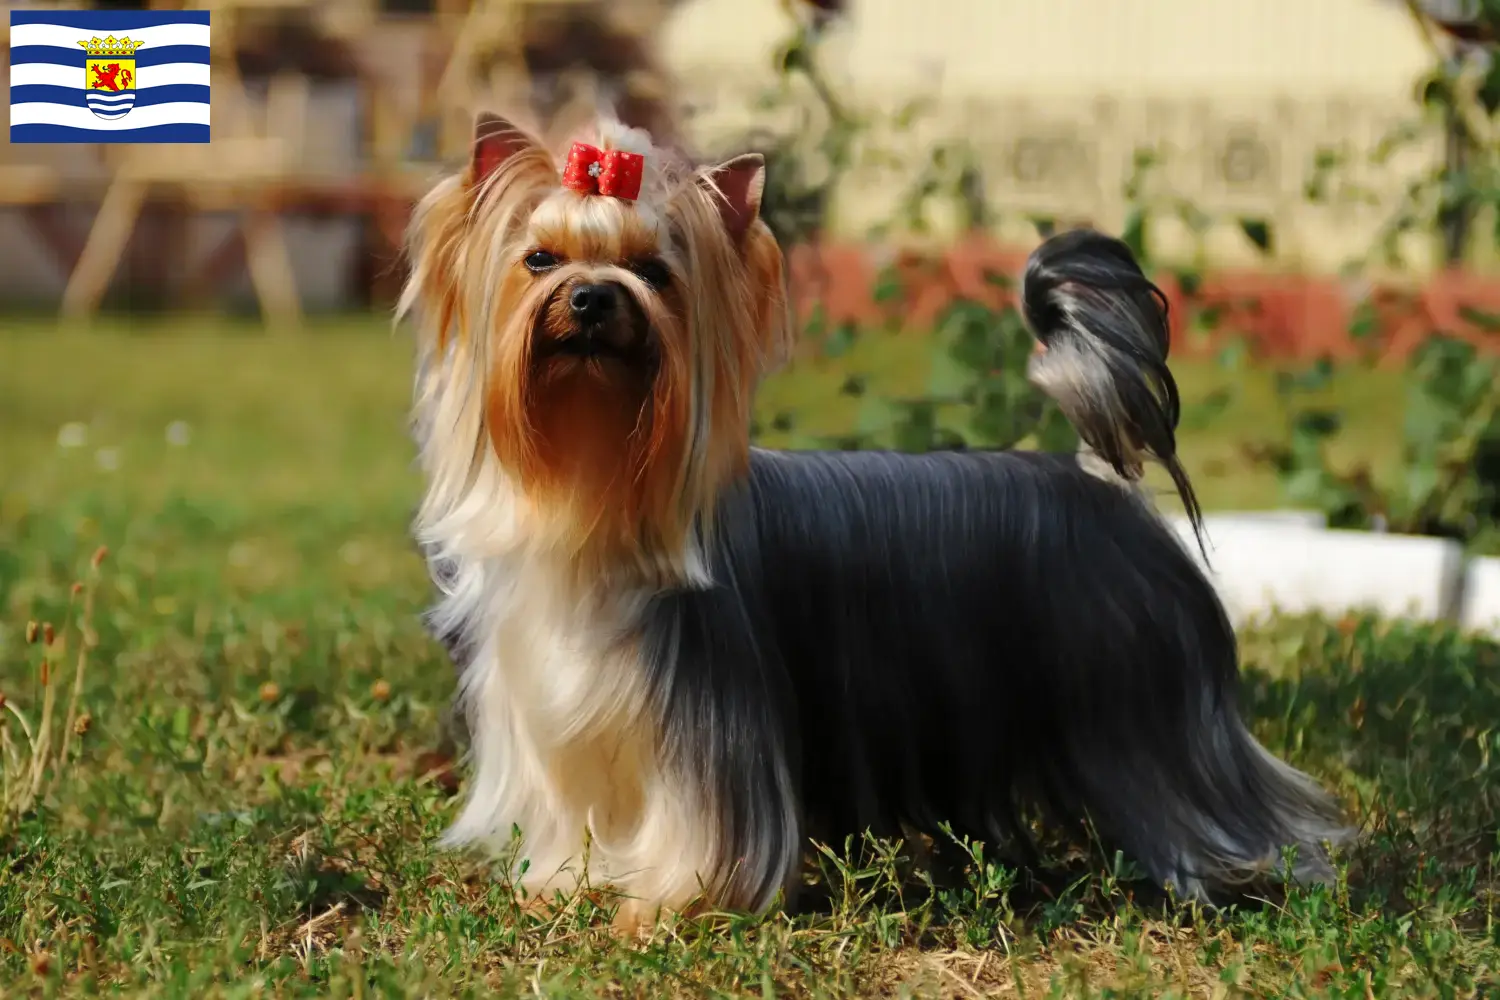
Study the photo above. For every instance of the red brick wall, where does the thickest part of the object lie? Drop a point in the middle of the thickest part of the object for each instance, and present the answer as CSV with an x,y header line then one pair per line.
x,y
1289,316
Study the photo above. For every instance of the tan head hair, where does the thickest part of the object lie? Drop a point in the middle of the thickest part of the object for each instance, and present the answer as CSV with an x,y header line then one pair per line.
x,y
615,457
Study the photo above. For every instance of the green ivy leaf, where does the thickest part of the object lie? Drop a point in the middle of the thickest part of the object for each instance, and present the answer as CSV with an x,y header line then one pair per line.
x,y
876,416
969,332
1309,430
840,340
817,322
1006,411
1317,424
1016,341
888,287
854,385
1364,323
1210,408
806,442
907,115
1432,417
949,378
1135,233
1489,90
842,442
1420,482
794,55
1314,378
1258,231
944,439
181,723
1479,380
1327,158
1487,321
1054,433
917,430
1189,280
1233,355
1434,90
1204,320
1306,487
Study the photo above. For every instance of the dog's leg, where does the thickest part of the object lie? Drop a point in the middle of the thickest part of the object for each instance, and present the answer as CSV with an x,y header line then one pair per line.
x,y
721,823
688,849
636,918
681,870
666,861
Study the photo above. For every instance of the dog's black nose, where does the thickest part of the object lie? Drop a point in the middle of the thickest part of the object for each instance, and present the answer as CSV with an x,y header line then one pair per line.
x,y
592,303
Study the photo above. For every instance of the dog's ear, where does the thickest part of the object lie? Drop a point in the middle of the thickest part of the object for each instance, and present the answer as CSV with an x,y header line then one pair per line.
x,y
496,140
737,186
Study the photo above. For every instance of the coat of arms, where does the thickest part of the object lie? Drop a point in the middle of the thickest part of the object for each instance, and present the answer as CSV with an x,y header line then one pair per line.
x,y
109,76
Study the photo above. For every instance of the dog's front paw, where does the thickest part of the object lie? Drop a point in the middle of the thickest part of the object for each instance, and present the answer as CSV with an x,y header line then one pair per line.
x,y
635,919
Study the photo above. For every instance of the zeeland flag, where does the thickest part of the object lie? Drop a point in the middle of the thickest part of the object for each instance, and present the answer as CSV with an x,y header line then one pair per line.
x,y
109,76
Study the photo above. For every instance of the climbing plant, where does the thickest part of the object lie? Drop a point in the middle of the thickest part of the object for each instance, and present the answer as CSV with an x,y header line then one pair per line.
x,y
1447,477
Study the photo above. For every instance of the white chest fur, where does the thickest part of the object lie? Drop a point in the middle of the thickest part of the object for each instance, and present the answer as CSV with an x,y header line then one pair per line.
x,y
565,745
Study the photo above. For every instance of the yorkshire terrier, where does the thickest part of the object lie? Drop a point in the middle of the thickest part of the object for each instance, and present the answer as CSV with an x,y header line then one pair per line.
x,y
682,656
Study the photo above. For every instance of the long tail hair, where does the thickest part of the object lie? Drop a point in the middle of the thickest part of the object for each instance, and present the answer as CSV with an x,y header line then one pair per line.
x,y
1104,335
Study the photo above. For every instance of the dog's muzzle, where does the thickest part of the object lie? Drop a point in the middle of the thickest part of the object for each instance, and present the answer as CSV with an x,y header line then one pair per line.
x,y
601,321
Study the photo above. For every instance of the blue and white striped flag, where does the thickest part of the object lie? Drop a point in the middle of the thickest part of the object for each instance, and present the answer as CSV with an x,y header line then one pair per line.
x,y
109,76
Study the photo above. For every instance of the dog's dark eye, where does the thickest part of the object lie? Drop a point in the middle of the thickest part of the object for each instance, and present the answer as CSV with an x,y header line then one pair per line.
x,y
653,272
541,260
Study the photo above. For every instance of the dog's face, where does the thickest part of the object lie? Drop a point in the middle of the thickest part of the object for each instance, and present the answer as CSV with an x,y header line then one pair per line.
x,y
618,338
594,288
605,278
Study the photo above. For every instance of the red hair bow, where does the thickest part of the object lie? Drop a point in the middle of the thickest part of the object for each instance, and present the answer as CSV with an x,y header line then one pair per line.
x,y
610,172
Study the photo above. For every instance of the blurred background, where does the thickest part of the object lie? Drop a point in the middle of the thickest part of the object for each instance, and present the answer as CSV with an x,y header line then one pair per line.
x,y
198,337
226,740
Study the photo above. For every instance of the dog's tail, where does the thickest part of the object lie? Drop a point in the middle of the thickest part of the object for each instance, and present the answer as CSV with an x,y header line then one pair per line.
x,y
1139,707
1103,342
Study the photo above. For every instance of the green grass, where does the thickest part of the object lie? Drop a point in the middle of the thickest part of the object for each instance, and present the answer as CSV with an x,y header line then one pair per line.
x,y
252,807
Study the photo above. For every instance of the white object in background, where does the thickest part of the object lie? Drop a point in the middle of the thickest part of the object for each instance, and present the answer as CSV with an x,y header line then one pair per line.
x,y
72,435
1482,596
1261,567
1313,519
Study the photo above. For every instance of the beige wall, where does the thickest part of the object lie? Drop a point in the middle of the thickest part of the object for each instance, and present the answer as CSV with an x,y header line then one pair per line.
x,y
1238,96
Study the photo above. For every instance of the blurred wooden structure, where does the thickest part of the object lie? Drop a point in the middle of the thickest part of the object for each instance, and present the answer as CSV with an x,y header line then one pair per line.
x,y
250,157
419,72
337,114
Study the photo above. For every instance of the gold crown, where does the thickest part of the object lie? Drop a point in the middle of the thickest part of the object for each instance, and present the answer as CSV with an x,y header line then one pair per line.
x,y
111,46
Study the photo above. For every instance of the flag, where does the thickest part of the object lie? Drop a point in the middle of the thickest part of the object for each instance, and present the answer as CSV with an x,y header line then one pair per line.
x,y
109,76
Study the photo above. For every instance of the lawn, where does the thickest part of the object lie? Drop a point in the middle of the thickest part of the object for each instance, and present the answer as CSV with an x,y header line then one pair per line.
x,y
255,780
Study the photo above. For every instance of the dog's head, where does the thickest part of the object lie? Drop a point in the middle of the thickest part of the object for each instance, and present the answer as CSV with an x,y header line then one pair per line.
x,y
604,316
